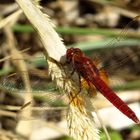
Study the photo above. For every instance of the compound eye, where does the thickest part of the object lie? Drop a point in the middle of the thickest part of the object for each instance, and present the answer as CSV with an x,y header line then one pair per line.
x,y
78,50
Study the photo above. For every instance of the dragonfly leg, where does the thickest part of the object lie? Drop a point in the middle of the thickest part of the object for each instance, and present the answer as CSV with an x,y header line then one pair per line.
x,y
79,78
72,72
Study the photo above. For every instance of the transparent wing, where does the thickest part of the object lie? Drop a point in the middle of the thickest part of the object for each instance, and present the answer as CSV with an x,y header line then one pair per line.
x,y
47,99
44,92
122,63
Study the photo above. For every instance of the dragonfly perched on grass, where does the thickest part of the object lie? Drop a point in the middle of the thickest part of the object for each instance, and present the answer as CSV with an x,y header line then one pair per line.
x,y
88,70
38,80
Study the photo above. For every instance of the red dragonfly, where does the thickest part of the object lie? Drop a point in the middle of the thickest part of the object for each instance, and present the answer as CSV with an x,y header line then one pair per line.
x,y
86,68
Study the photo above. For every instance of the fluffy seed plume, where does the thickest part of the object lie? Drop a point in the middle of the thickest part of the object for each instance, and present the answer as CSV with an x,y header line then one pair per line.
x,y
81,123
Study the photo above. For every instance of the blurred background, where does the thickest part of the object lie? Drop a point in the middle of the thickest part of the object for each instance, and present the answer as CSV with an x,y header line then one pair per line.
x,y
106,30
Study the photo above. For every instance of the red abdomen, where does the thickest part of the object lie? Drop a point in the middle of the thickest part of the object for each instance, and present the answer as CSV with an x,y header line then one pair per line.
x,y
113,98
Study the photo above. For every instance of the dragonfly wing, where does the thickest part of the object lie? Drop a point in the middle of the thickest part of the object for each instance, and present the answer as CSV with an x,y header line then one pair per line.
x,y
47,100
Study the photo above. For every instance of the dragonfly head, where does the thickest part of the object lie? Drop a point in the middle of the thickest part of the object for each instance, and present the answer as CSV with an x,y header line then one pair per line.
x,y
71,52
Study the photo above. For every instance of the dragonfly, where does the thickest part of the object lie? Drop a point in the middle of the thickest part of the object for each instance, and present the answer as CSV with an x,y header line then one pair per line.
x,y
82,71
87,69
